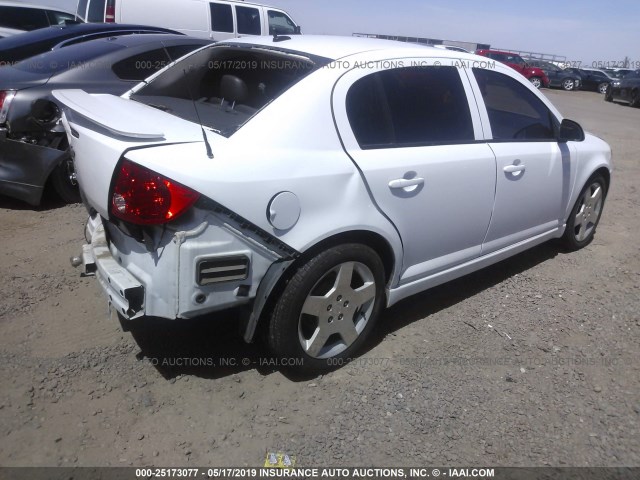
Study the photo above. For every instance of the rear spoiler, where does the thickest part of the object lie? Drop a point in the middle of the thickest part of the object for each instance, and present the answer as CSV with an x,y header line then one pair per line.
x,y
107,111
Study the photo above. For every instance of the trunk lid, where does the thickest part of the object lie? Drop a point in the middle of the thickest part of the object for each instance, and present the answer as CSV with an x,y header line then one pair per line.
x,y
102,127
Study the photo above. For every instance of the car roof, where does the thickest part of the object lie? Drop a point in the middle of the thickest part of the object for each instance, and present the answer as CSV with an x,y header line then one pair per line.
x,y
94,53
28,44
331,46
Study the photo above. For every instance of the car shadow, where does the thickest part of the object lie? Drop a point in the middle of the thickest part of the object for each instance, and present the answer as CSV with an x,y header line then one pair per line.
x,y
49,201
211,347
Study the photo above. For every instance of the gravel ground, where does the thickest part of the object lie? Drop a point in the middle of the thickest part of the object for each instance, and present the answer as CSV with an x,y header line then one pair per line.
x,y
531,362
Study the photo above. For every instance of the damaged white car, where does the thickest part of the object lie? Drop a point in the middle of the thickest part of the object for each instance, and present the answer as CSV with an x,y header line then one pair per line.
x,y
316,180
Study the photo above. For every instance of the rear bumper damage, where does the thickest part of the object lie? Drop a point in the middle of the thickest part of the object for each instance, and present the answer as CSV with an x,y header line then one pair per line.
x,y
123,290
192,272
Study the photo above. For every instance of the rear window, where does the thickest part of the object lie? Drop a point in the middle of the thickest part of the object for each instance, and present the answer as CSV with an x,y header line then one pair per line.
x,y
60,60
224,86
142,65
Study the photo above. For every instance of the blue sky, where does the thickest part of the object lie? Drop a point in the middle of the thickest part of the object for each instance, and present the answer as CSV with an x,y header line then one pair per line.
x,y
586,30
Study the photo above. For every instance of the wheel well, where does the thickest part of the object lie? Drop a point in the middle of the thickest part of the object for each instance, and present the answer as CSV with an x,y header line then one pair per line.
x,y
370,239
605,173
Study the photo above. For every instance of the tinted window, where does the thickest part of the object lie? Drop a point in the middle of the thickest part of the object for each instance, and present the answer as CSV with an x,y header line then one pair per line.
x,y
58,18
248,20
409,107
141,66
514,111
280,24
96,11
221,18
23,18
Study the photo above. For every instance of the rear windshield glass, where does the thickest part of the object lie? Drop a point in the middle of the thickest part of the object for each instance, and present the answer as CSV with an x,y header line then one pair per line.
x,y
60,60
222,87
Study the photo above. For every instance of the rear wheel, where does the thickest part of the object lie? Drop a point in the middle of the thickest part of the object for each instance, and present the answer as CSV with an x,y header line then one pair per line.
x,y
635,98
328,308
603,87
536,81
63,180
567,84
585,215
608,96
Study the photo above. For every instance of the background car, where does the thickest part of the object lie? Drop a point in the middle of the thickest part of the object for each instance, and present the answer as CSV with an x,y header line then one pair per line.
x,y
626,89
306,190
617,72
595,80
18,17
452,48
558,77
534,74
25,45
33,146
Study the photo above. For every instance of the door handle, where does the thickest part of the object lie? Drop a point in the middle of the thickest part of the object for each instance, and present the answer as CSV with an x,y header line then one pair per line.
x,y
404,182
514,168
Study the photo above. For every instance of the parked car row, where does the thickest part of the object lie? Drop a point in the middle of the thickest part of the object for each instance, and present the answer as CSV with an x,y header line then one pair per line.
x,y
19,17
100,58
616,84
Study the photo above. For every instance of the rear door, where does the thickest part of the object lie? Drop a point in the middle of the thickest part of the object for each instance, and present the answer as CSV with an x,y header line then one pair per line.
x,y
532,170
412,134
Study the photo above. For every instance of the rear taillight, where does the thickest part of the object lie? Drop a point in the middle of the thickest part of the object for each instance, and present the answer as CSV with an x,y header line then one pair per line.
x,y
6,96
144,197
110,12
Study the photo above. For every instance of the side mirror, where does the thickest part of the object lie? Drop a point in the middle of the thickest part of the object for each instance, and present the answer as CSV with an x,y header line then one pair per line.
x,y
570,131
297,30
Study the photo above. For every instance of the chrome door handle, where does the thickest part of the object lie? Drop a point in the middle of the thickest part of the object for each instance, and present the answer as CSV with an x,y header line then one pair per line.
x,y
404,183
514,168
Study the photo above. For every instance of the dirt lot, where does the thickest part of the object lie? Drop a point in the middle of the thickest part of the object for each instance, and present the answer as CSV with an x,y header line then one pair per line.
x,y
534,361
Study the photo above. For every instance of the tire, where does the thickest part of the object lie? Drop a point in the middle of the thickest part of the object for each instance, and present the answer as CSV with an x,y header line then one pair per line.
x,y
567,84
585,215
603,87
63,181
608,96
328,308
635,99
536,81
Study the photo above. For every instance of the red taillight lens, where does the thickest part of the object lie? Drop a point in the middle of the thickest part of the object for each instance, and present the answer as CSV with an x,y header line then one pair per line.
x,y
5,101
144,197
110,12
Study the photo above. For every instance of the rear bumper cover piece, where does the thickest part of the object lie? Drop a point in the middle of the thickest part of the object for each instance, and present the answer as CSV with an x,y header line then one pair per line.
x,y
125,293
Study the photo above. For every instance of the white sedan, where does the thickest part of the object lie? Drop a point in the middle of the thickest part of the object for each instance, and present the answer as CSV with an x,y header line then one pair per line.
x,y
314,181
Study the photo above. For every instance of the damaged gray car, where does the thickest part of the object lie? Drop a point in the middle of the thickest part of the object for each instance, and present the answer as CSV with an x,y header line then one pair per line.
x,y
33,145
